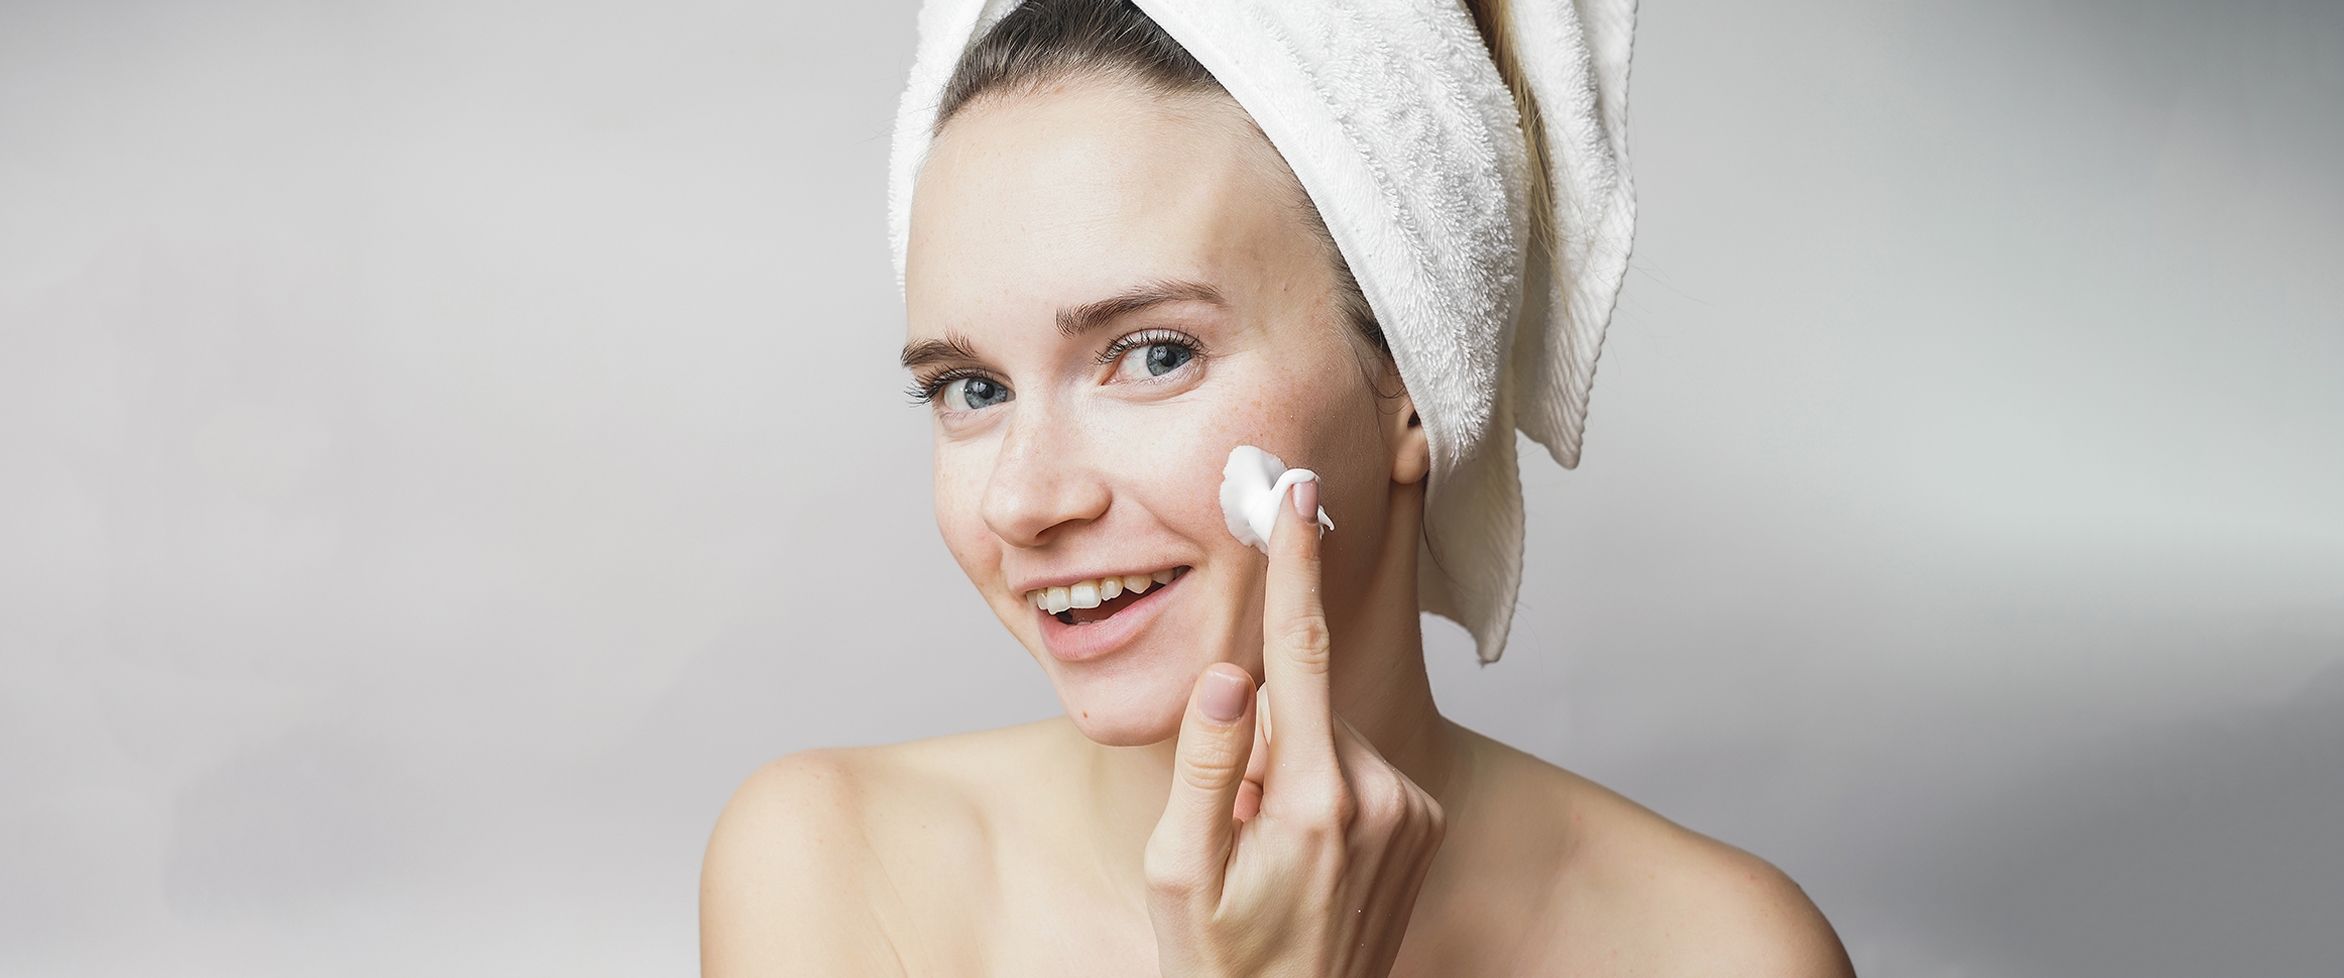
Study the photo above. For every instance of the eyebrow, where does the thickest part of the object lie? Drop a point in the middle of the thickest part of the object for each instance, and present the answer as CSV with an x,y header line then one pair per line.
x,y
1074,320
953,348
1077,320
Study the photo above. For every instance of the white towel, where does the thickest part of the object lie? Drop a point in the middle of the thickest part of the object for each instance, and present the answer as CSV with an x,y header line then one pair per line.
x,y
1394,118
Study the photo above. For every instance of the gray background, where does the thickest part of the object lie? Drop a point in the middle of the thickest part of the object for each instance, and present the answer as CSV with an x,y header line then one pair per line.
x,y
407,542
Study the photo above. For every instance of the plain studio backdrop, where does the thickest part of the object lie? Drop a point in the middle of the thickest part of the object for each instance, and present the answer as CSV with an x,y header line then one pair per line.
x,y
414,519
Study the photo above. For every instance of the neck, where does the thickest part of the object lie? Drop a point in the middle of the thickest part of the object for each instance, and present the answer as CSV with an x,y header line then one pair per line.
x,y
1377,684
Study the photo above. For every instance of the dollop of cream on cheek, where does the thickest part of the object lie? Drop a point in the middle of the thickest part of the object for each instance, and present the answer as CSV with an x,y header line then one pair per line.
x,y
1253,486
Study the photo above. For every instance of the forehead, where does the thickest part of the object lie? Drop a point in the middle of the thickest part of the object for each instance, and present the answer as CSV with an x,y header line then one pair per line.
x,y
1039,199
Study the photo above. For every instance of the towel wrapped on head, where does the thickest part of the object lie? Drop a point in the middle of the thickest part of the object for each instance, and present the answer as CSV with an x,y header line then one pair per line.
x,y
1397,121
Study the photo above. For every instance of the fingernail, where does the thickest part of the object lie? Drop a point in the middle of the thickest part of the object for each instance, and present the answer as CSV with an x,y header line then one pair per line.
x,y
1225,695
1306,499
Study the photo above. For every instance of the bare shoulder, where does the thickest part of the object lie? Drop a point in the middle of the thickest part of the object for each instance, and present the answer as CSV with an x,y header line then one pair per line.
x,y
1669,899
824,859
791,880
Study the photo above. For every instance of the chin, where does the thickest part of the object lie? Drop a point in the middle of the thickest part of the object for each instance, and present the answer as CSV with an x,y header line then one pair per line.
x,y
1129,709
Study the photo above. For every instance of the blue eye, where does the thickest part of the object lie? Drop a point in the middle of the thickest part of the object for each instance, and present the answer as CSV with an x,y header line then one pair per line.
x,y
958,390
1160,352
1163,358
976,392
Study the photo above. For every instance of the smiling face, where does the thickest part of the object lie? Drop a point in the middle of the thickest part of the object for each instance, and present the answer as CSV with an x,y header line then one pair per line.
x,y
1107,291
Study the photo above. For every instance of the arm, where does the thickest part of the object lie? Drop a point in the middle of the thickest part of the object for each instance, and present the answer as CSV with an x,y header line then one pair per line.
x,y
787,885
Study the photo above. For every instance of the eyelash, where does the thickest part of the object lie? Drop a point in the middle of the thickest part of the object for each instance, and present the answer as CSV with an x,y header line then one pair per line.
x,y
1147,338
923,389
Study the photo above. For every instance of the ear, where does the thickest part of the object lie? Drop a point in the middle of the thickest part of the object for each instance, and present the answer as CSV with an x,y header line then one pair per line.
x,y
1405,442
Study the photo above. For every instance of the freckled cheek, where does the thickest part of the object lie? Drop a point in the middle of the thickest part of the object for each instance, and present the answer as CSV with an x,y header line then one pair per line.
x,y
1328,421
1317,424
1294,415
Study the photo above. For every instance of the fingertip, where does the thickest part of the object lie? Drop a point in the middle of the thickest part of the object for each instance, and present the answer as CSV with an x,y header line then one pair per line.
x,y
1226,693
1300,512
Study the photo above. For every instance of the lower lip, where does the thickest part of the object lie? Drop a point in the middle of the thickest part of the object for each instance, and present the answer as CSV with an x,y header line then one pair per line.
x,y
1077,643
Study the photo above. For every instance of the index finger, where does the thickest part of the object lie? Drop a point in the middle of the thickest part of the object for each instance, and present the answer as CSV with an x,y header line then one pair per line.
x,y
1297,650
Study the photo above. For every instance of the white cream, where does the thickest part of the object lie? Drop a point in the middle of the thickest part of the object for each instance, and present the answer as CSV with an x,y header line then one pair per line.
x,y
1253,486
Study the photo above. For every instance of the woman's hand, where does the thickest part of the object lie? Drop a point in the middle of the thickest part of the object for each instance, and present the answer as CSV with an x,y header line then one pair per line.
x,y
1297,854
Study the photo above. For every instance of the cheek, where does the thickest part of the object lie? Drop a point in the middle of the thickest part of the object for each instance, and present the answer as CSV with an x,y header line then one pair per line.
x,y
1323,418
959,488
1170,461
1310,417
1181,468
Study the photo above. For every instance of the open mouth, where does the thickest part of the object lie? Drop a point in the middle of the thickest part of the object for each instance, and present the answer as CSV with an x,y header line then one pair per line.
x,y
1086,602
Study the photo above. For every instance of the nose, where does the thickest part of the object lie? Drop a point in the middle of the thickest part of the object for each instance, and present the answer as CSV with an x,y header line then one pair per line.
x,y
1041,480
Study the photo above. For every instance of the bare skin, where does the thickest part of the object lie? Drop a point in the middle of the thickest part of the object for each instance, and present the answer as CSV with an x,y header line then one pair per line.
x,y
1019,851
970,864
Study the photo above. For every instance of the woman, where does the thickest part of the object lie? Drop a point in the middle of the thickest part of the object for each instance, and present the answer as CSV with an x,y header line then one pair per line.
x,y
1114,277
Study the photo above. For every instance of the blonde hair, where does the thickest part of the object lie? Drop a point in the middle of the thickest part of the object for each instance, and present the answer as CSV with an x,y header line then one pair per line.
x,y
1497,31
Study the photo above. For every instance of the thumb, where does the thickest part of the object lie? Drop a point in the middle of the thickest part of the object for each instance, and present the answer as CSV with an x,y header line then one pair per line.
x,y
1190,847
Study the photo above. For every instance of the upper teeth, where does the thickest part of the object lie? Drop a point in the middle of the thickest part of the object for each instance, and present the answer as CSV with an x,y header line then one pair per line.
x,y
1092,593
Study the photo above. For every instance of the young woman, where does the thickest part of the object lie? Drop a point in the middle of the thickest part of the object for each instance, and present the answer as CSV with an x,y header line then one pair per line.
x,y
1113,278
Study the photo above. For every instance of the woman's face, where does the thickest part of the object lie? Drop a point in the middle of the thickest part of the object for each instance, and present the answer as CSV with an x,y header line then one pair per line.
x,y
1106,292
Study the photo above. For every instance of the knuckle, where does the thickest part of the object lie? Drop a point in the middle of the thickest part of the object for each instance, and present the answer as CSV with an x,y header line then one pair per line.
x,y
1327,806
1169,870
1345,810
1383,800
1208,769
1209,760
1308,639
